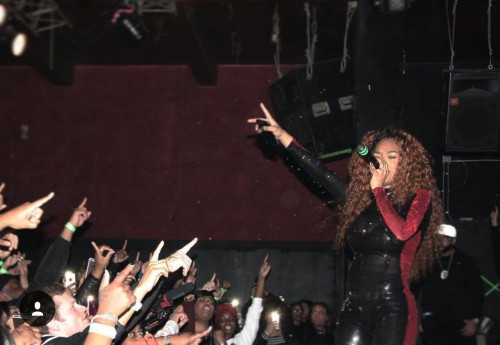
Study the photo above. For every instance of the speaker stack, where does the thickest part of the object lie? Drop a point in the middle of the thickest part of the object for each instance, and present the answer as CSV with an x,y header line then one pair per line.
x,y
317,112
472,111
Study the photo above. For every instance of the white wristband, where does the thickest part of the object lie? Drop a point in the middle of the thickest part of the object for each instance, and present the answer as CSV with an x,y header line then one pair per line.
x,y
136,306
109,317
105,330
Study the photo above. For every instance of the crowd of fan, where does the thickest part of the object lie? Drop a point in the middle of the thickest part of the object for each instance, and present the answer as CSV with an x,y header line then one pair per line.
x,y
156,302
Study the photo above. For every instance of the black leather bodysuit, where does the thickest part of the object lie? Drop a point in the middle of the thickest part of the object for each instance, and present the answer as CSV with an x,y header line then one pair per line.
x,y
379,308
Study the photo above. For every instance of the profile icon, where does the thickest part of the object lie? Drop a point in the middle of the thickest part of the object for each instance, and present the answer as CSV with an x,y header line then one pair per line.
x,y
37,311
37,308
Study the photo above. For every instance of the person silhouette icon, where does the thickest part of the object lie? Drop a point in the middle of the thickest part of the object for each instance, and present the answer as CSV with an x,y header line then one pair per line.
x,y
37,312
37,308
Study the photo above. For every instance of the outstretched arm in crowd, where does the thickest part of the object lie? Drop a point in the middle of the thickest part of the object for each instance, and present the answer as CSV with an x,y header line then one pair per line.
x,y
25,216
90,286
114,300
155,269
54,262
249,332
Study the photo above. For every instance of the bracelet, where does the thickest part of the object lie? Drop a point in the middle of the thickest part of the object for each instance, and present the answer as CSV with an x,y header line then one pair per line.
x,y
1,263
3,271
167,340
70,227
136,306
109,317
101,329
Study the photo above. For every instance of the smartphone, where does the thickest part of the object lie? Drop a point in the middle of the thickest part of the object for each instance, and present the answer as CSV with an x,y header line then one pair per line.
x,y
69,278
90,266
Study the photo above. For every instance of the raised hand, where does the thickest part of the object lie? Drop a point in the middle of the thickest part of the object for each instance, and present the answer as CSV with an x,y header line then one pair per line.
x,y
191,276
180,259
179,316
265,268
279,133
101,258
9,240
80,214
379,175
25,216
12,260
210,285
155,269
116,297
137,264
121,254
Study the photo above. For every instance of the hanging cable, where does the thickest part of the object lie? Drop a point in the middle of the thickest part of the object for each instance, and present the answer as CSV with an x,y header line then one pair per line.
x,y
312,38
351,9
490,66
451,31
275,38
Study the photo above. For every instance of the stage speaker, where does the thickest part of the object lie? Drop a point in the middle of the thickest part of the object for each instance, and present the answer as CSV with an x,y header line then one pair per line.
x,y
317,112
472,111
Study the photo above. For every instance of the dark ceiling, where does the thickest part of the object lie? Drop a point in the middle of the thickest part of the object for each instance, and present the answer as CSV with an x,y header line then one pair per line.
x,y
206,33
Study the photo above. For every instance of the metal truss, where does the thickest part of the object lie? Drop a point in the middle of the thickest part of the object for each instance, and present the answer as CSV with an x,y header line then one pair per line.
x,y
38,16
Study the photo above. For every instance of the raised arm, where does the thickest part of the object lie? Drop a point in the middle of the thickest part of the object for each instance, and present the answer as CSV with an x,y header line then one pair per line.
x,y
313,166
25,216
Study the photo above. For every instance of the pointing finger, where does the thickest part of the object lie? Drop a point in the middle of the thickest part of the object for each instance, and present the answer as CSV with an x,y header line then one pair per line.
x,y
156,253
188,246
82,204
41,201
123,274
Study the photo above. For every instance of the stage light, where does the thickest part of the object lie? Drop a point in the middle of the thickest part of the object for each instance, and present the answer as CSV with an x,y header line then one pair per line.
x,y
129,25
13,41
3,14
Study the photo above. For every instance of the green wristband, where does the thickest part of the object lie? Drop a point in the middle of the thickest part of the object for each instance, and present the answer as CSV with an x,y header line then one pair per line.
x,y
3,271
1,263
70,227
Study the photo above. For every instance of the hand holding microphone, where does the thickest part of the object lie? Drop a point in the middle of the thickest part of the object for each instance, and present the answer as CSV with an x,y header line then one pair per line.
x,y
364,153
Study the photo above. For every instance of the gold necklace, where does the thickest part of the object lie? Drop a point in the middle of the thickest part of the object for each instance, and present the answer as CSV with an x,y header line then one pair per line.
x,y
445,272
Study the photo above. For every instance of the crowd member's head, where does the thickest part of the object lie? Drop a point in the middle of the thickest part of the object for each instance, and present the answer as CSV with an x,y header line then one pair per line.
x,y
226,319
276,314
410,170
297,312
306,310
70,317
134,336
204,307
319,316
448,237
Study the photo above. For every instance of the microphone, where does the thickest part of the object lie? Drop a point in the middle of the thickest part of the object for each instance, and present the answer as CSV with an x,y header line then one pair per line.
x,y
364,153
180,291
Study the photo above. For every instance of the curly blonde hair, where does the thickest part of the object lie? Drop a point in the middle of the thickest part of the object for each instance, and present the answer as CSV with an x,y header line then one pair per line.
x,y
414,173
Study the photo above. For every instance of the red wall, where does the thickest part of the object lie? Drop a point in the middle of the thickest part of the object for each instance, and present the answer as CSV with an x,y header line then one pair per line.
x,y
146,143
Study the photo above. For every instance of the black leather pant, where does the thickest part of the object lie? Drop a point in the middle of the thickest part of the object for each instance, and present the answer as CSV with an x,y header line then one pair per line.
x,y
375,311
